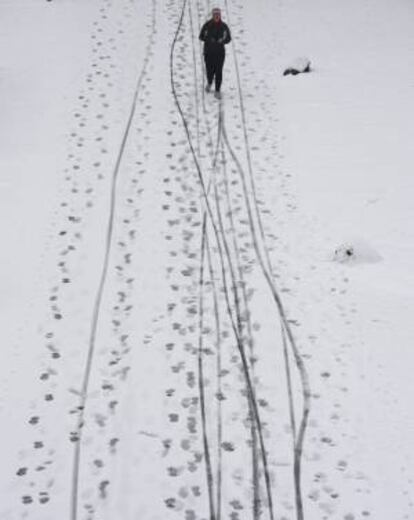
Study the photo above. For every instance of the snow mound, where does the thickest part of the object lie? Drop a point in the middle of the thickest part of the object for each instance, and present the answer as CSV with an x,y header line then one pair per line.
x,y
301,64
356,251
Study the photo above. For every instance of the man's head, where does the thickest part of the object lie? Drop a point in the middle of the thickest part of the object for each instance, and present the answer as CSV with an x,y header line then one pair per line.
x,y
216,12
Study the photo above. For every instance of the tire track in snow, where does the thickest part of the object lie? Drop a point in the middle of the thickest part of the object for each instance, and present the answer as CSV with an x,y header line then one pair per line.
x,y
266,266
102,282
255,468
206,444
299,439
222,254
190,16
219,418
268,273
255,465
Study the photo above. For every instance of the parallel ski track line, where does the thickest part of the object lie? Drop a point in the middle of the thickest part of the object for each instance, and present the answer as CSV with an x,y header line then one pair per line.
x,y
238,312
255,469
298,443
190,15
206,445
203,72
103,277
221,255
205,240
289,384
219,419
268,273
237,325
206,249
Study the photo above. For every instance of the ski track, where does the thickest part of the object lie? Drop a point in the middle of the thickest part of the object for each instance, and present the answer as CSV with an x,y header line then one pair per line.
x,y
104,275
75,215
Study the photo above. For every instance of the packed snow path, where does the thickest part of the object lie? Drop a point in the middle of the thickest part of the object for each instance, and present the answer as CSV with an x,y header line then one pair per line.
x,y
175,373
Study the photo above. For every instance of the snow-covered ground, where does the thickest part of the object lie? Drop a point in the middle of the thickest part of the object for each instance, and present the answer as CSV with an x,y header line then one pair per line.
x,y
163,339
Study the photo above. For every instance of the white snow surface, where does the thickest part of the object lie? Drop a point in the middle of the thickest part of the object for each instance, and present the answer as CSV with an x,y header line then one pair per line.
x,y
300,64
123,393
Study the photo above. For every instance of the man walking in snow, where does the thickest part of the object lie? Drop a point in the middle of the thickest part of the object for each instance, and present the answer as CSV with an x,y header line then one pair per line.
x,y
215,34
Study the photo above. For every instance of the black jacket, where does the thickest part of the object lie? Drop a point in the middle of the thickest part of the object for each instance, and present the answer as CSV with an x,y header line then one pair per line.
x,y
215,36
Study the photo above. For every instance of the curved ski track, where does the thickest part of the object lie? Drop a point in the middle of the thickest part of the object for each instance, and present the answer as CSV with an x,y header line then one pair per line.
x,y
103,277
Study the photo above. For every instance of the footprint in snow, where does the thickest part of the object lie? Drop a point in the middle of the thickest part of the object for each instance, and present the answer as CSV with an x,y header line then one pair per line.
x,y
103,488
43,497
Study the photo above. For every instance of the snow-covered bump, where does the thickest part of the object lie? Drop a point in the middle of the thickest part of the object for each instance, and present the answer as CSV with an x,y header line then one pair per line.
x,y
299,65
356,252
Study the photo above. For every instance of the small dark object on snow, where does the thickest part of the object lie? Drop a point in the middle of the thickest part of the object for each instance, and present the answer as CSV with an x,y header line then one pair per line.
x,y
298,66
344,253
347,251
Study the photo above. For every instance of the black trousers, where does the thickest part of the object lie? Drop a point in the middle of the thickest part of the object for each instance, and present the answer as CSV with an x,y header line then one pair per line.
x,y
214,69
